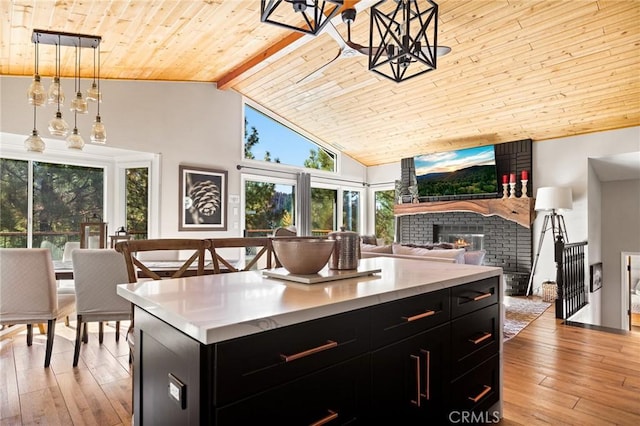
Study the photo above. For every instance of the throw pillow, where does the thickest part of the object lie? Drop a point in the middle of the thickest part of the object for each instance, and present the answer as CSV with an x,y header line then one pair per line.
x,y
412,251
457,254
475,257
370,248
368,239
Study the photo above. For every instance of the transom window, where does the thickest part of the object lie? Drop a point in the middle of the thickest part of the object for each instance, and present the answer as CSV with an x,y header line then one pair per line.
x,y
269,140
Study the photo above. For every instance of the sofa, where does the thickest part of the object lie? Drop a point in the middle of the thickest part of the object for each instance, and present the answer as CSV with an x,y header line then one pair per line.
x,y
442,252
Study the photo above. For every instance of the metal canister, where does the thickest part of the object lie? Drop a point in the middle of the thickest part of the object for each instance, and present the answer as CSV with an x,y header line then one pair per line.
x,y
346,251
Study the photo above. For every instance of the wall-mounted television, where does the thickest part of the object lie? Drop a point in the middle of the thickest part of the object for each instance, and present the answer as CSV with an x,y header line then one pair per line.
x,y
457,173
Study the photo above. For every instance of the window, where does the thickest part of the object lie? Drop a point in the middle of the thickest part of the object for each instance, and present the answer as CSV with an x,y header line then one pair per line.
x,y
351,210
136,201
43,204
14,205
384,219
269,204
323,211
269,140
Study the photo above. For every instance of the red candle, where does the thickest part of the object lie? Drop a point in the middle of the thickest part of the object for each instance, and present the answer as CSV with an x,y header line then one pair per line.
x,y
504,179
512,178
525,175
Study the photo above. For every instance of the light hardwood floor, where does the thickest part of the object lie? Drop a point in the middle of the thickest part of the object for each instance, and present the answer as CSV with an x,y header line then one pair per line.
x,y
554,374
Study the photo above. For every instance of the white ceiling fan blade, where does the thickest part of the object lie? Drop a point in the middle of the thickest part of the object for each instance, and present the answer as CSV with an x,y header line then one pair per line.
x,y
319,70
333,32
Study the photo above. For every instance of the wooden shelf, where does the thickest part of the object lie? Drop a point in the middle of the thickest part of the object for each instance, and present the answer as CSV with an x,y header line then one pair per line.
x,y
519,210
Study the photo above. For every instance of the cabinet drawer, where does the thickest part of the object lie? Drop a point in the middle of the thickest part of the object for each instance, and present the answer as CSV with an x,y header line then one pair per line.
x,y
338,395
479,389
474,338
254,363
473,296
399,319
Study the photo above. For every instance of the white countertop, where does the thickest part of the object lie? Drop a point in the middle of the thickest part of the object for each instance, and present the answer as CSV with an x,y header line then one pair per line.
x,y
213,308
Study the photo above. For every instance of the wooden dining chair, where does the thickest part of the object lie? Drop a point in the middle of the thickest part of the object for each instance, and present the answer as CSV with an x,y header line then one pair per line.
x,y
28,292
97,272
263,256
138,268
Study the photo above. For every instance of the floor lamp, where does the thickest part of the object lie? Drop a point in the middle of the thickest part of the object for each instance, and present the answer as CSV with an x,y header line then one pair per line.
x,y
551,199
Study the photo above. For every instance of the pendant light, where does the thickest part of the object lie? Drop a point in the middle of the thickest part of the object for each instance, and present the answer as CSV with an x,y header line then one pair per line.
x,y
56,94
57,125
98,131
34,143
36,96
404,39
78,104
305,16
36,93
74,140
93,93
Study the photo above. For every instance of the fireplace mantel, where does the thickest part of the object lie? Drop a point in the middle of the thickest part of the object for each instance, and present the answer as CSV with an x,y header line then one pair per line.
x,y
519,210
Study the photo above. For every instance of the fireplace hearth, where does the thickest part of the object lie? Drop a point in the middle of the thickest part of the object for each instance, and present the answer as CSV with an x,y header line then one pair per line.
x,y
469,237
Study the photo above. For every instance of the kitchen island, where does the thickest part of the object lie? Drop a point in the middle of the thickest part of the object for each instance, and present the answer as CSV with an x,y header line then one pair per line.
x,y
418,340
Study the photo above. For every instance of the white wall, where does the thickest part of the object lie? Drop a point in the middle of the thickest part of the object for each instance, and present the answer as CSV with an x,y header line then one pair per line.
x,y
620,233
186,123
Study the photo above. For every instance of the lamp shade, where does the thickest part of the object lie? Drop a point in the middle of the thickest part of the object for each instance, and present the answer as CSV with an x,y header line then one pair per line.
x,y
554,198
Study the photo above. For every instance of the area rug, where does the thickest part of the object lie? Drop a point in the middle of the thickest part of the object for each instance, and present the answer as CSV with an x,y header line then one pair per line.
x,y
520,312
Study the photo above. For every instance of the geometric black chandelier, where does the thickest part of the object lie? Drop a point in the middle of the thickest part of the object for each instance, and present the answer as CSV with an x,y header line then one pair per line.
x,y
403,34
37,96
305,16
403,41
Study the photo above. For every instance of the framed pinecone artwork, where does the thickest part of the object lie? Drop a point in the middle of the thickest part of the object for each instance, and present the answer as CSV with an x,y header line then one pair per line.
x,y
202,199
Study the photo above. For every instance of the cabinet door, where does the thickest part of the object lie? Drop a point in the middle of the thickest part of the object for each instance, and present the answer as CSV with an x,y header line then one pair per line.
x,y
334,396
409,378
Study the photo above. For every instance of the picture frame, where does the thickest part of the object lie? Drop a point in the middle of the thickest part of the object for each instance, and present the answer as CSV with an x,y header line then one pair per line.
x,y
595,277
202,199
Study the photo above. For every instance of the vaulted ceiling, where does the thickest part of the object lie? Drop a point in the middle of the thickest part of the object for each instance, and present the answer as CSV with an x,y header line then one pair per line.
x,y
518,69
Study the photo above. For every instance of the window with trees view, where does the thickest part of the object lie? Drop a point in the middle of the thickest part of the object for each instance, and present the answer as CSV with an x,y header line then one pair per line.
x,y
269,140
44,208
270,203
137,206
384,219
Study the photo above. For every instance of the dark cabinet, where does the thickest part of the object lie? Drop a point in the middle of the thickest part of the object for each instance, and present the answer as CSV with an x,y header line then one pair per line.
x,y
409,377
333,396
416,360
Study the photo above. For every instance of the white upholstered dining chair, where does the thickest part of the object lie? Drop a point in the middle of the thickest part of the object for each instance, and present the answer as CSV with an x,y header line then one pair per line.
x,y
28,291
96,273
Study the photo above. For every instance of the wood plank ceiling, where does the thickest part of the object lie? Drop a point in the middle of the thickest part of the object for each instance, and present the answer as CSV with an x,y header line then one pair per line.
x,y
518,69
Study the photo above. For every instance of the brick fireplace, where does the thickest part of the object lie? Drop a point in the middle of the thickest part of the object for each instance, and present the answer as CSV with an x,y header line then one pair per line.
x,y
506,243
505,234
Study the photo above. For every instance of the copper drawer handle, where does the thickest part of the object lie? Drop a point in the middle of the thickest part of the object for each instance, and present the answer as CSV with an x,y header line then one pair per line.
x,y
416,401
330,344
484,337
419,316
331,416
482,296
427,375
486,390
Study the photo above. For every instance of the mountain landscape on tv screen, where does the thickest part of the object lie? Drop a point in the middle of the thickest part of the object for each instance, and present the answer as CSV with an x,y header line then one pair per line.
x,y
470,180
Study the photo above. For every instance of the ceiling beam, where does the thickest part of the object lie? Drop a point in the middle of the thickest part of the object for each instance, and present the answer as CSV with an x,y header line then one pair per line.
x,y
279,49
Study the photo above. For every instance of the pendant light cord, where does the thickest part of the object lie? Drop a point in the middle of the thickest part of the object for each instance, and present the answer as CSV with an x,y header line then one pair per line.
x,y
58,71
35,66
76,85
94,74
